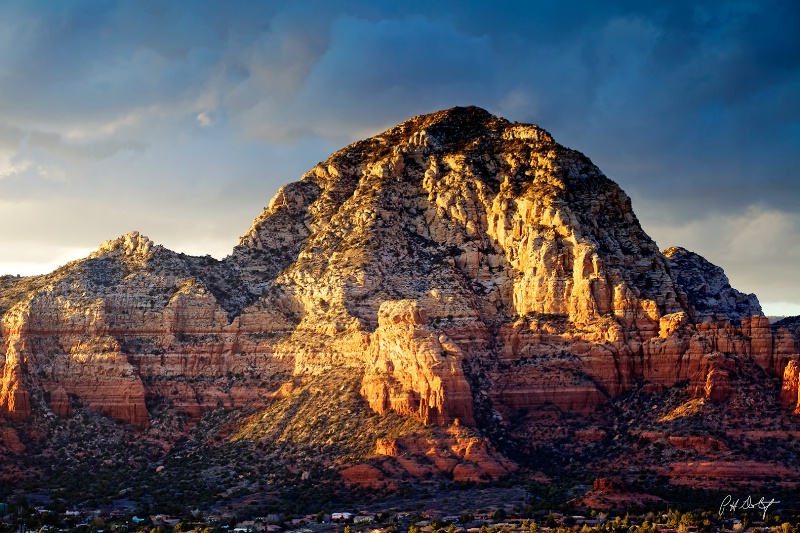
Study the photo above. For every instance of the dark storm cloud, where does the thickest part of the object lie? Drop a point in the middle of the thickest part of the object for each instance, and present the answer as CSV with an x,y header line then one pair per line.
x,y
692,107
374,74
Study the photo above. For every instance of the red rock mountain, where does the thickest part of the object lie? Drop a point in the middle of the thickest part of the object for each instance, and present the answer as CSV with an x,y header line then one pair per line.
x,y
467,272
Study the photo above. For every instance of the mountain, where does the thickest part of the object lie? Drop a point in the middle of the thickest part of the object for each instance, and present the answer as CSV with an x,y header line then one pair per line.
x,y
459,298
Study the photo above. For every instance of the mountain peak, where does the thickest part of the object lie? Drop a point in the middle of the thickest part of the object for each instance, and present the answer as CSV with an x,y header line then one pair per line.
x,y
457,118
131,244
458,129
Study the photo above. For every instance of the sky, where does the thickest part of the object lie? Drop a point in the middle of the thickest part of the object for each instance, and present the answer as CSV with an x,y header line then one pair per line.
x,y
181,119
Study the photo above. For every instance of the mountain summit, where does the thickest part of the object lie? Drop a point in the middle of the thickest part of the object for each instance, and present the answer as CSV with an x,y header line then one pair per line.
x,y
458,279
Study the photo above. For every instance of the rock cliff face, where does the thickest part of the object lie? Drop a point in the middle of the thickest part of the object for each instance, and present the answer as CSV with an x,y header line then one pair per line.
x,y
790,392
416,371
708,288
466,269
130,321
455,453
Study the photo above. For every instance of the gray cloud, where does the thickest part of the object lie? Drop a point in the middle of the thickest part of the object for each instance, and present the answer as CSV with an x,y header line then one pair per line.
x,y
374,74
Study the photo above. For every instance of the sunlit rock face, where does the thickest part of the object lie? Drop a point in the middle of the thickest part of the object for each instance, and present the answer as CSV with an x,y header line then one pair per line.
x,y
454,257
416,370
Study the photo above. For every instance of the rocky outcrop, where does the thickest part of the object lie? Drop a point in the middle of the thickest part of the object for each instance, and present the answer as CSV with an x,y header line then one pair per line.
x,y
415,370
791,324
457,453
9,439
15,401
790,389
705,353
14,397
708,288
612,494
363,475
713,380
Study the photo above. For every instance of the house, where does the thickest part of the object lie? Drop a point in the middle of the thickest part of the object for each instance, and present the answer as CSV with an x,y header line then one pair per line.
x,y
341,517
249,525
164,520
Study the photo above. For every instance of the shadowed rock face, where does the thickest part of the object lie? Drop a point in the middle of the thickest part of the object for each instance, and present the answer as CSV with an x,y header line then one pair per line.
x,y
708,288
467,268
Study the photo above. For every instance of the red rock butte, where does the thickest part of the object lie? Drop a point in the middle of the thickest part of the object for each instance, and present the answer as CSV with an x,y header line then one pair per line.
x,y
467,269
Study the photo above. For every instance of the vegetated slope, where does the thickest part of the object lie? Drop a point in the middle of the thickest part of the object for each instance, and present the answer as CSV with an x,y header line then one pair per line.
x,y
462,293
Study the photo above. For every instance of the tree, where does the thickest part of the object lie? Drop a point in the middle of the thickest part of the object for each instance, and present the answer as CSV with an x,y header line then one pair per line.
x,y
689,519
745,522
673,518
